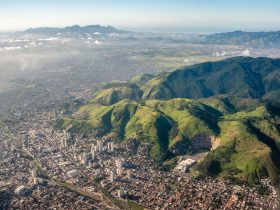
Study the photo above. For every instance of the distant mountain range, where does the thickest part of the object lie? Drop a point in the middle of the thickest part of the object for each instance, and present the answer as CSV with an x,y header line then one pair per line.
x,y
235,100
98,29
241,38
251,39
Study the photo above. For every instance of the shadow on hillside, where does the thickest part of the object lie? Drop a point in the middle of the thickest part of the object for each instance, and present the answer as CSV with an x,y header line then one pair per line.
x,y
275,152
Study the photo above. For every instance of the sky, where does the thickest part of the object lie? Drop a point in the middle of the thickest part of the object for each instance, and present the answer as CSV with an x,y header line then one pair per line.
x,y
201,16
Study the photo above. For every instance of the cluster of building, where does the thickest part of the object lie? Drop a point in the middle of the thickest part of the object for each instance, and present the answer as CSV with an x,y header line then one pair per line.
x,y
49,197
33,171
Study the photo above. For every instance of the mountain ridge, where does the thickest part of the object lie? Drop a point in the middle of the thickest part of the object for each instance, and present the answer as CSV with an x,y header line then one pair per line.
x,y
238,76
256,78
73,29
269,39
240,38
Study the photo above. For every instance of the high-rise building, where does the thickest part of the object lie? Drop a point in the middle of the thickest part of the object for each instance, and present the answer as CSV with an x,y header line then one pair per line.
x,y
119,163
119,171
99,144
111,146
34,173
74,152
68,136
112,177
63,143
93,155
95,148
84,158
120,193
92,147
128,174
65,140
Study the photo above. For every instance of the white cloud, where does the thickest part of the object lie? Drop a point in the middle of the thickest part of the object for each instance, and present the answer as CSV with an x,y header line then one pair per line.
x,y
13,48
49,39
223,53
246,52
188,60
217,54
97,42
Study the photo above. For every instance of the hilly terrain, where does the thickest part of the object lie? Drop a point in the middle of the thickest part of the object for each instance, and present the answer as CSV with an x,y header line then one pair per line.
x,y
250,39
240,76
97,29
232,102
246,77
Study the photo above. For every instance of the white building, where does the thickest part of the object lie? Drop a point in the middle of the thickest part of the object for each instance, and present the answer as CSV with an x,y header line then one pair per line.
x,y
120,193
93,155
184,165
111,146
92,148
63,143
128,174
119,172
84,158
119,163
99,145
112,176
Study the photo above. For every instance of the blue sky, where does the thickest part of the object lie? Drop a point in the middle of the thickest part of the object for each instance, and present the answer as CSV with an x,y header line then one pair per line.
x,y
192,15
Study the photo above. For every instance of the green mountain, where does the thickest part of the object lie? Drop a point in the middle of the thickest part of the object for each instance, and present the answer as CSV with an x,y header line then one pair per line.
x,y
255,78
233,112
162,123
112,93
142,78
240,76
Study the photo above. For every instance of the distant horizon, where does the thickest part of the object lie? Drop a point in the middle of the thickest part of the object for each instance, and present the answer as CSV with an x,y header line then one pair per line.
x,y
183,30
195,30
